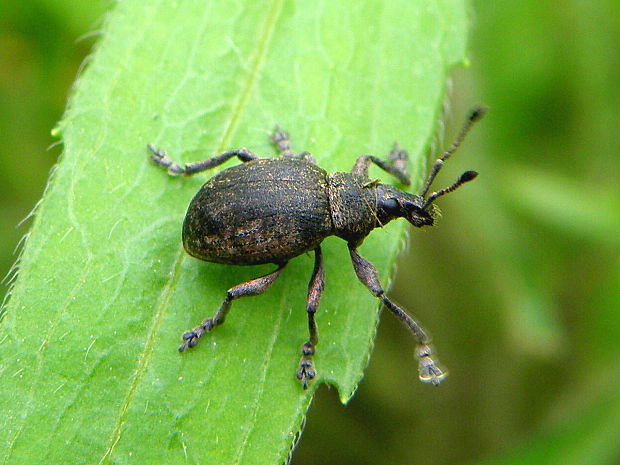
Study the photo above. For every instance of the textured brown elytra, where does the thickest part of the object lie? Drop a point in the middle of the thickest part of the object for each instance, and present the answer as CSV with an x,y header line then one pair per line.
x,y
263,211
272,210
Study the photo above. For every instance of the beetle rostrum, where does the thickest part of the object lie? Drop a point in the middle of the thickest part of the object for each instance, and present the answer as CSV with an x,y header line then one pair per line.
x,y
272,210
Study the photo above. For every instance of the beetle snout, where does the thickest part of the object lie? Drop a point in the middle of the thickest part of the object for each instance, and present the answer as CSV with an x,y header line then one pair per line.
x,y
417,213
418,220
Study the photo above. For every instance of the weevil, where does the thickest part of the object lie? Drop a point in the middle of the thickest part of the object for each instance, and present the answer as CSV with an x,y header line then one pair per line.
x,y
270,210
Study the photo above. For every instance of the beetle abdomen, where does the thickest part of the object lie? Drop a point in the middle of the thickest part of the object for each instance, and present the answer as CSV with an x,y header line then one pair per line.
x,y
263,211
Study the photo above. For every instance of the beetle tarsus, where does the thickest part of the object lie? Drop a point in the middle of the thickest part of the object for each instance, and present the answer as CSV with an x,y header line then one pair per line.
x,y
399,158
282,141
192,336
428,370
161,158
306,371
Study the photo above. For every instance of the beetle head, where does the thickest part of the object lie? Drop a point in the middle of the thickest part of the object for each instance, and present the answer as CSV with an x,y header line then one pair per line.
x,y
419,210
394,203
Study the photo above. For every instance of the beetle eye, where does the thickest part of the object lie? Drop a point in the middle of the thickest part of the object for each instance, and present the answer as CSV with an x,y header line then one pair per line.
x,y
391,205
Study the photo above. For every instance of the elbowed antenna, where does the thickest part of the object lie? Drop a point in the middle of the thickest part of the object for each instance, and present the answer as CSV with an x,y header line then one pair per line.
x,y
474,116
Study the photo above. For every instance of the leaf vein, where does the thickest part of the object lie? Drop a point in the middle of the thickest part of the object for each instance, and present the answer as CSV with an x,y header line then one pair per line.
x,y
263,45
146,354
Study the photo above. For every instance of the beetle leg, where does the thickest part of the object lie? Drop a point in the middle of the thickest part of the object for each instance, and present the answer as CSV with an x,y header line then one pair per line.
x,y
396,164
306,370
174,169
253,287
282,141
429,372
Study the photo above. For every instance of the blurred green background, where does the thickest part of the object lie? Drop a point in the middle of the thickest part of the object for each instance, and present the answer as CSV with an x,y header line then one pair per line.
x,y
520,282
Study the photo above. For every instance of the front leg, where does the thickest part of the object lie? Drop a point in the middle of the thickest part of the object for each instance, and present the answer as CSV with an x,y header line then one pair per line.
x,y
306,370
428,370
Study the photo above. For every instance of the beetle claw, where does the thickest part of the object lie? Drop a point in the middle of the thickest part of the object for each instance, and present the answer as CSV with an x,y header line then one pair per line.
x,y
191,339
305,374
398,156
159,156
432,375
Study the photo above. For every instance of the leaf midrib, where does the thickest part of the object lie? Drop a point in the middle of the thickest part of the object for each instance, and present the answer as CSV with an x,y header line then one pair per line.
x,y
238,109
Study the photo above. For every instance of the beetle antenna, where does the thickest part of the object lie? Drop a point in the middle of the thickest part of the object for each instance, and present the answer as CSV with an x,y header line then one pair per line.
x,y
463,178
474,116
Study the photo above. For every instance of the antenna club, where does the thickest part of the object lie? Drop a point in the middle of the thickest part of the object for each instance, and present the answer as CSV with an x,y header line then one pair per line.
x,y
467,176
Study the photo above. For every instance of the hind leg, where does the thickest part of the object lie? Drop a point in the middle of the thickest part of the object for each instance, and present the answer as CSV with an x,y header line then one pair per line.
x,y
253,287
162,159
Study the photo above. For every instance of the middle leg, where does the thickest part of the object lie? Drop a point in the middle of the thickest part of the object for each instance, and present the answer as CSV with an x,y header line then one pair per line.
x,y
306,370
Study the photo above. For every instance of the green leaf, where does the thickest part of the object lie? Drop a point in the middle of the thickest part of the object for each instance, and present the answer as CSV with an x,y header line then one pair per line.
x,y
90,370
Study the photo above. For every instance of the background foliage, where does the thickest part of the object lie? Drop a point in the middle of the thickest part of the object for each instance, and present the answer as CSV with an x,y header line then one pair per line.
x,y
520,283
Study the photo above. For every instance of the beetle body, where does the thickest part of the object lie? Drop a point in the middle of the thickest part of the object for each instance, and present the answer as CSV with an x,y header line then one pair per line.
x,y
272,210
262,211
